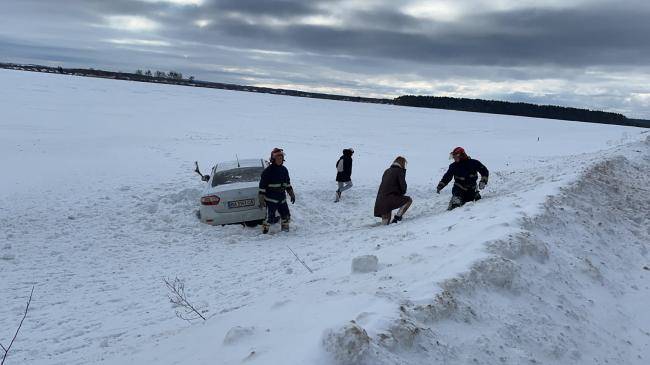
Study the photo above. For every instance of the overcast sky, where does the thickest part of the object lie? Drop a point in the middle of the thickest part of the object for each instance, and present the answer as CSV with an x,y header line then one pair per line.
x,y
585,53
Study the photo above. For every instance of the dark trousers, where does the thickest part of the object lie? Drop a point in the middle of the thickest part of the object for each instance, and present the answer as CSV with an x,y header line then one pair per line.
x,y
460,197
272,208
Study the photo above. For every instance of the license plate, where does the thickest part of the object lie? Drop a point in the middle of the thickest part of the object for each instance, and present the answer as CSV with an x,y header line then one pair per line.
x,y
241,203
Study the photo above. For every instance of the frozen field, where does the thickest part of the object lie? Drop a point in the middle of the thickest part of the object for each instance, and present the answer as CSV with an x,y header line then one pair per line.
x,y
98,200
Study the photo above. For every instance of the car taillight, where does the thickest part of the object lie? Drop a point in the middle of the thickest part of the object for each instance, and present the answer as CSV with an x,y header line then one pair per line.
x,y
210,200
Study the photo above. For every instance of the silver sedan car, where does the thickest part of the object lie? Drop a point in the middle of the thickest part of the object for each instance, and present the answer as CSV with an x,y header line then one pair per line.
x,y
231,196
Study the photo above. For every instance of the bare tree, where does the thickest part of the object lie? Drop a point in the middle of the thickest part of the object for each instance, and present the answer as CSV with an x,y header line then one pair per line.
x,y
174,75
6,349
184,309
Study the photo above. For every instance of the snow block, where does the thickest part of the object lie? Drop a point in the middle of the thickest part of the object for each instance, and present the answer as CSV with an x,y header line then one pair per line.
x,y
348,344
237,333
365,264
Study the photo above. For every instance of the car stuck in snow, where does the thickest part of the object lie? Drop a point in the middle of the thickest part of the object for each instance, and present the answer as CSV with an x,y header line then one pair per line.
x,y
231,196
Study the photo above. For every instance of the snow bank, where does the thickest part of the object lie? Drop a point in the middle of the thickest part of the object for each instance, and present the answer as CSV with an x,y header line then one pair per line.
x,y
567,289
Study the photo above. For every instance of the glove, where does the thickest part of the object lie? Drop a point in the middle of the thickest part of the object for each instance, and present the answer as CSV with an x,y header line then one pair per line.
x,y
292,195
438,191
481,185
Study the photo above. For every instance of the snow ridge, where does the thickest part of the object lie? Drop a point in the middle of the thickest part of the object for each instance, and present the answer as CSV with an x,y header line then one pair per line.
x,y
562,291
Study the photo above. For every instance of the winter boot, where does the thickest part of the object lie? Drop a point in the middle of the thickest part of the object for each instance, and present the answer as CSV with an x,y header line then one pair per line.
x,y
385,219
397,218
338,196
285,225
265,228
455,202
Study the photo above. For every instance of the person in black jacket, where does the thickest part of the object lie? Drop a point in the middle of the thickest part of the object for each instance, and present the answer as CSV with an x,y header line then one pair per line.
x,y
464,170
274,186
344,172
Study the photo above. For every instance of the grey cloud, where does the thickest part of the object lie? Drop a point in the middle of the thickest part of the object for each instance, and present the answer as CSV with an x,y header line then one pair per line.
x,y
281,8
370,44
603,35
28,53
576,37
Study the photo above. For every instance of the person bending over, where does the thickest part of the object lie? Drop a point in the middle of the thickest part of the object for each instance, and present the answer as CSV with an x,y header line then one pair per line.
x,y
392,193
464,170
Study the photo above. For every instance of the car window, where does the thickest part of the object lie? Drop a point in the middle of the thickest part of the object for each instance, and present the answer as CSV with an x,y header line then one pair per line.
x,y
242,174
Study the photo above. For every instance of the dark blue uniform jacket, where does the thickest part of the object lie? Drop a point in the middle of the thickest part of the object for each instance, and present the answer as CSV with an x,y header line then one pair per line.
x,y
274,183
465,174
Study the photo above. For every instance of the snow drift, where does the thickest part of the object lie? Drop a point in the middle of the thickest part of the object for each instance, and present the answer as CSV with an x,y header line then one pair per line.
x,y
569,289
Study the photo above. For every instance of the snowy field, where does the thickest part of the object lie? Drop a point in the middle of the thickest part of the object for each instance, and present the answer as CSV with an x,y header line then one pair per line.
x,y
98,201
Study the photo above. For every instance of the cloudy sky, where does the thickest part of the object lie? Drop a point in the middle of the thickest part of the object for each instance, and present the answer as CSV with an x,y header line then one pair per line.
x,y
585,53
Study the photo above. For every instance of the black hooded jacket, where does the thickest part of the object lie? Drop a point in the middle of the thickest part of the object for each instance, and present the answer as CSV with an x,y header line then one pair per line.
x,y
346,174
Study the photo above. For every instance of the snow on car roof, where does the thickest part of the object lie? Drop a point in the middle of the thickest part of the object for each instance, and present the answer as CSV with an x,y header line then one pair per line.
x,y
248,162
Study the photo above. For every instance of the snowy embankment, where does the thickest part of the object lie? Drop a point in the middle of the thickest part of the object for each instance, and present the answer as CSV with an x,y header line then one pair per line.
x,y
99,207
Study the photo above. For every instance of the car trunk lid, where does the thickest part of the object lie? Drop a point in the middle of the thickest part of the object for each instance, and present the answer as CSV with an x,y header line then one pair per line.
x,y
235,197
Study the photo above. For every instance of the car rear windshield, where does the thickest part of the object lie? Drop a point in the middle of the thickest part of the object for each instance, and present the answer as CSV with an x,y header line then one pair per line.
x,y
242,174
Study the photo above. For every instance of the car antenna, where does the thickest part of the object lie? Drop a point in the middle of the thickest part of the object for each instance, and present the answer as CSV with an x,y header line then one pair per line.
x,y
237,157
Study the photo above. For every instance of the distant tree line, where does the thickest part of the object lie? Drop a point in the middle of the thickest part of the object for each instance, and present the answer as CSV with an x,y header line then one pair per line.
x,y
171,75
510,108
462,104
176,78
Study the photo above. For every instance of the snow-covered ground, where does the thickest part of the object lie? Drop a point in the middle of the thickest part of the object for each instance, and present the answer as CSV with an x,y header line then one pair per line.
x,y
98,200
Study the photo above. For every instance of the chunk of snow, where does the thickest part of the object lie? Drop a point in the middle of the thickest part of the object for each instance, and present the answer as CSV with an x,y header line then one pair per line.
x,y
365,263
237,333
348,344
